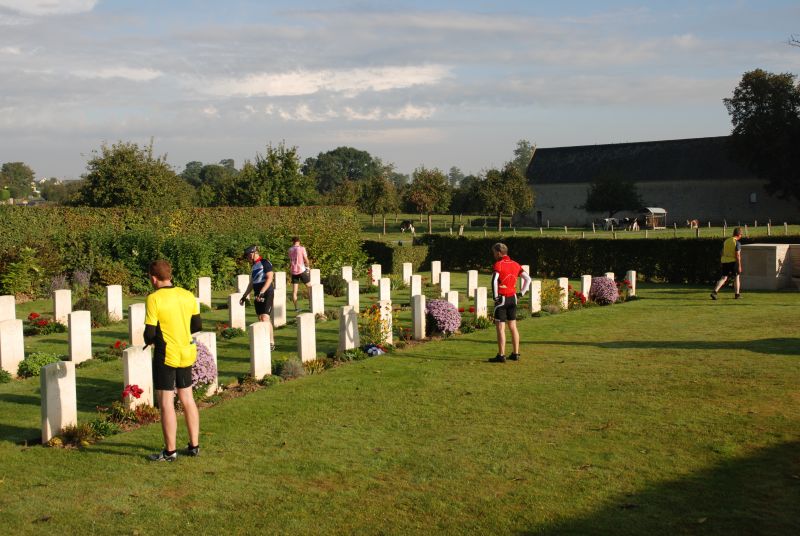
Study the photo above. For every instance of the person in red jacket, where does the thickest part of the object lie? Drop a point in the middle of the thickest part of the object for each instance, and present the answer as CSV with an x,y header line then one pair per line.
x,y
504,291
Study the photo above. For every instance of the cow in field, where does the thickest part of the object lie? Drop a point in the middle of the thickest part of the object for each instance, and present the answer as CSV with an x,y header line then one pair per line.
x,y
406,225
692,224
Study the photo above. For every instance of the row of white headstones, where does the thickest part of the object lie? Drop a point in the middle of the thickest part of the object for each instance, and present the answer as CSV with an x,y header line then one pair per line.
x,y
57,381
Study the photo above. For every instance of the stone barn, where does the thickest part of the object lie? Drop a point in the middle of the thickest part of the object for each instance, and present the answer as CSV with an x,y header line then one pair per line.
x,y
692,179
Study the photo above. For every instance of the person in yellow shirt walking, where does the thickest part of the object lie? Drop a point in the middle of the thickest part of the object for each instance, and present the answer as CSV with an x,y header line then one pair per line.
x,y
173,314
731,264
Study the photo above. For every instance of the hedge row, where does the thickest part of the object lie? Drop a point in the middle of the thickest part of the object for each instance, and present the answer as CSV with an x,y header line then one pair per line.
x,y
676,260
391,257
116,245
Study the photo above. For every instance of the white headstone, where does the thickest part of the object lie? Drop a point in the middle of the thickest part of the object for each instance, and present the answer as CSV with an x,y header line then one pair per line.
x,y
209,340
348,329
316,277
385,289
610,275
631,277
12,345
418,316
136,315
80,336
386,320
353,296
204,290
236,312
242,280
114,302
452,297
306,337
536,296
347,273
416,285
137,369
317,299
480,303
408,270
376,271
8,308
62,305
59,398
280,281
563,284
436,270
279,308
472,282
444,283
260,353
586,284
526,268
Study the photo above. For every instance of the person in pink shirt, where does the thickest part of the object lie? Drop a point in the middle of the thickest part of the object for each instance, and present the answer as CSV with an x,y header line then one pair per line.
x,y
299,266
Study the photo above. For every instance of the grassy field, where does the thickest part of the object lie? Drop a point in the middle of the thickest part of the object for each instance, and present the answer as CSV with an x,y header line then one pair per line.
x,y
444,223
667,415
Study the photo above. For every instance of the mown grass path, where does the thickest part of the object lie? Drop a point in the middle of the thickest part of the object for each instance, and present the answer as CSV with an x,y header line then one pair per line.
x,y
669,415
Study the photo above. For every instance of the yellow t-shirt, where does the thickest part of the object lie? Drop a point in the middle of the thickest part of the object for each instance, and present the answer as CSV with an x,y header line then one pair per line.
x,y
729,250
171,309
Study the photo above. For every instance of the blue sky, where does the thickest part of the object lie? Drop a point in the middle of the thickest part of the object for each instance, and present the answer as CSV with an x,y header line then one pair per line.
x,y
433,83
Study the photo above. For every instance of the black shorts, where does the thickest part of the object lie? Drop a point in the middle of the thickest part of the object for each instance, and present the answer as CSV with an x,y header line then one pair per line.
x,y
264,307
729,269
166,378
302,277
506,309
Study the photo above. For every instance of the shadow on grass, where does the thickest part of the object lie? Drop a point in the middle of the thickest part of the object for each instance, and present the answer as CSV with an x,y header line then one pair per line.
x,y
20,399
759,494
777,346
19,434
93,392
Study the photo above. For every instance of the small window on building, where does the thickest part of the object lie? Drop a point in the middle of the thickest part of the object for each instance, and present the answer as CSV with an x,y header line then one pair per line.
x,y
753,198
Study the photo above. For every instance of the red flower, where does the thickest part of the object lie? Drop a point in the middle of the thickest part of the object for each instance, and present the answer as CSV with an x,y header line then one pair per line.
x,y
569,287
460,309
41,323
627,282
471,309
132,390
33,316
117,344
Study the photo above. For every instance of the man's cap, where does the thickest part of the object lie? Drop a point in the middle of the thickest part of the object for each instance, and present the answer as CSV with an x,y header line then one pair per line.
x,y
251,249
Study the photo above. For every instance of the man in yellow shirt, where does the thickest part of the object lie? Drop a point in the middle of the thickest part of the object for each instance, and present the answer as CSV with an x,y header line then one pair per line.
x,y
731,263
173,314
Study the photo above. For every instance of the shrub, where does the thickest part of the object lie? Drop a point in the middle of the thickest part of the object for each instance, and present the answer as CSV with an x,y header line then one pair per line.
x,y
270,380
317,366
603,291
552,309
102,427
332,314
97,308
291,369
224,331
78,435
551,293
335,285
204,370
111,272
113,352
577,299
33,363
483,323
373,329
37,324
357,354
5,376
442,317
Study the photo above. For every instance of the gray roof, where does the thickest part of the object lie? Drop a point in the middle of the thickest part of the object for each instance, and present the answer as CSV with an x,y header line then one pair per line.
x,y
669,160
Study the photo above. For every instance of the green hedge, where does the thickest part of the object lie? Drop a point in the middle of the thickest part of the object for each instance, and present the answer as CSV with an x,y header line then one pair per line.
x,y
392,256
118,244
675,260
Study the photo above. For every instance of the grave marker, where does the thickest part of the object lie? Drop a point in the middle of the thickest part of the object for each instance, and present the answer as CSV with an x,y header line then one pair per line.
x,y
114,302
136,314
62,305
242,280
610,275
408,269
563,282
353,295
444,283
347,273
385,290
8,308
137,369
536,296
416,285
348,328
472,282
279,308
59,398
316,278
12,345
317,299
280,281
306,337
80,336
480,303
204,290
436,270
452,297
631,277
260,353
586,284
236,312
418,316
385,307
375,271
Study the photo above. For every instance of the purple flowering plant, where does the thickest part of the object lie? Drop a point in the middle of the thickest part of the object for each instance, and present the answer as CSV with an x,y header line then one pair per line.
x,y
442,316
204,370
604,291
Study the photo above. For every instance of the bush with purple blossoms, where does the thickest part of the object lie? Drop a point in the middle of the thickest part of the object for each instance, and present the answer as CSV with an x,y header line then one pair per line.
x,y
442,317
204,370
604,291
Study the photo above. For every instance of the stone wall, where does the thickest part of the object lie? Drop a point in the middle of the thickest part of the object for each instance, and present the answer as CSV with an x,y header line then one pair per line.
x,y
683,200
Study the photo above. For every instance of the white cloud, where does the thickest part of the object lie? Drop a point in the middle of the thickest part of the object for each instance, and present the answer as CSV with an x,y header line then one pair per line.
x,y
350,82
410,112
129,73
391,136
11,51
210,111
49,7
304,113
370,115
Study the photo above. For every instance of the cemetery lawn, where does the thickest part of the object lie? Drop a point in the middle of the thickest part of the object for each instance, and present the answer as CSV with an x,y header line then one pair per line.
x,y
667,415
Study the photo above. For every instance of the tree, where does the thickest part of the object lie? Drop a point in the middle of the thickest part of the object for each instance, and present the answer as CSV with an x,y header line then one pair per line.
x,y
127,175
455,177
765,113
378,196
339,165
522,155
429,192
607,194
505,191
191,173
17,177
58,192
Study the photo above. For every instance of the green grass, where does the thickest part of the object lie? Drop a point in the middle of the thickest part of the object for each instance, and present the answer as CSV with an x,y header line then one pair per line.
x,y
443,223
667,415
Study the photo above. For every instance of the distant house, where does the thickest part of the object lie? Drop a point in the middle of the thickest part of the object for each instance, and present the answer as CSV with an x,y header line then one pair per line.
x,y
691,179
